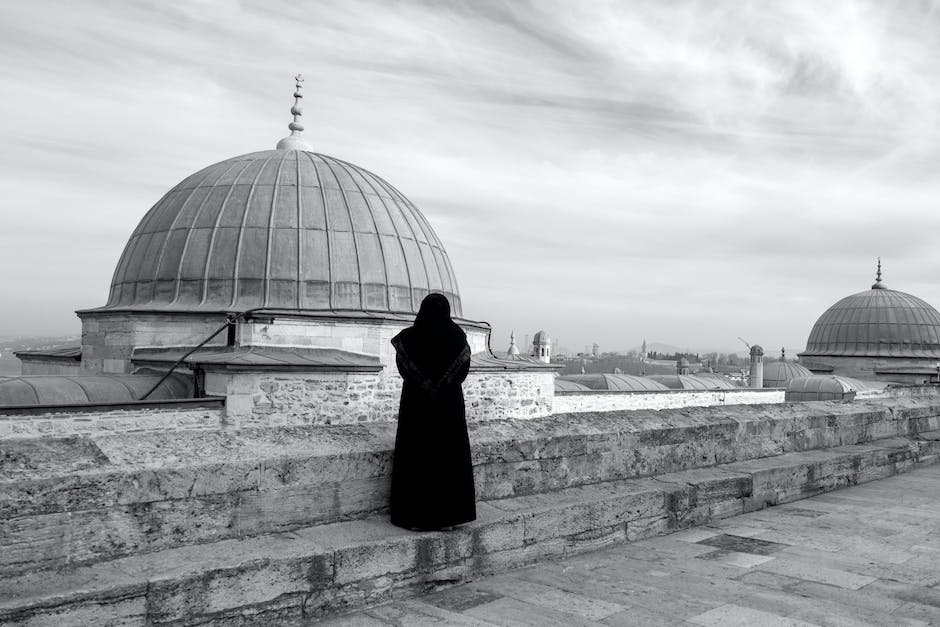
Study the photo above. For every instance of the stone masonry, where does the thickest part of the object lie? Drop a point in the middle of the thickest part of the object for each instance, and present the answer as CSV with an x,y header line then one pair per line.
x,y
277,399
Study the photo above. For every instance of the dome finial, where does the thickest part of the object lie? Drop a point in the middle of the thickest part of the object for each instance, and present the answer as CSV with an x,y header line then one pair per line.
x,y
878,284
295,141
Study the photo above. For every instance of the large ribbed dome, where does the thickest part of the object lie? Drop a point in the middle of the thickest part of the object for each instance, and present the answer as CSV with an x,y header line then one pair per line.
x,y
282,229
876,323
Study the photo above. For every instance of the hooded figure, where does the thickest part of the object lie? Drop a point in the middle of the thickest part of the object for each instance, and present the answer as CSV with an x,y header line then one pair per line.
x,y
432,477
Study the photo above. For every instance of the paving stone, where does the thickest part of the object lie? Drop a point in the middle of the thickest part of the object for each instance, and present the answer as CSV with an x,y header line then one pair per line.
x,y
420,614
641,616
546,596
736,558
922,614
743,544
461,598
694,535
813,572
737,616
509,611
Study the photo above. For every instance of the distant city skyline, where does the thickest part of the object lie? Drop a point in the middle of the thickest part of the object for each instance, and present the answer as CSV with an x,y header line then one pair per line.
x,y
684,172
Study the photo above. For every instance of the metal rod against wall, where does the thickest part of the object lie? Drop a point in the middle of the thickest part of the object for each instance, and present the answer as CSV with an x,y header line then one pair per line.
x,y
230,321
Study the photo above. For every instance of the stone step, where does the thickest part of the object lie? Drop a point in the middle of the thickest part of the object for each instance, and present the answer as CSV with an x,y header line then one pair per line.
x,y
74,501
291,576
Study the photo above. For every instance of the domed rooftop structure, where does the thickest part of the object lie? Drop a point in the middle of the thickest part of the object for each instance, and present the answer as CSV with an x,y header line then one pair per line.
x,y
615,382
693,382
879,322
283,229
823,388
778,374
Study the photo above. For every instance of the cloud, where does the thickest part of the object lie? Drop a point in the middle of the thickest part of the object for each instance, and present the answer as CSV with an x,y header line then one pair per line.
x,y
685,172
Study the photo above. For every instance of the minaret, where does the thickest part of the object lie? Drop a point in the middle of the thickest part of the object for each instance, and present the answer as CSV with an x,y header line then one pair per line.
x,y
513,351
295,140
757,367
644,355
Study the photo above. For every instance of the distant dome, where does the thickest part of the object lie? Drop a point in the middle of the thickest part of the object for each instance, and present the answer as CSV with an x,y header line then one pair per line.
x,y
541,337
778,374
876,323
282,229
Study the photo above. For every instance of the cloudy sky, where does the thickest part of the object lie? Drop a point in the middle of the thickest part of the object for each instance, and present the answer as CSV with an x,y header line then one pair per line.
x,y
684,172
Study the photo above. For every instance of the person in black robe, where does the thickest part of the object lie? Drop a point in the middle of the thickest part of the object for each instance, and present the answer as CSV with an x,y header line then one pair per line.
x,y
432,476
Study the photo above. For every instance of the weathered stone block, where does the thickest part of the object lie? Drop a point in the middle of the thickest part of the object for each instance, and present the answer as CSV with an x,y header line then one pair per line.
x,y
249,584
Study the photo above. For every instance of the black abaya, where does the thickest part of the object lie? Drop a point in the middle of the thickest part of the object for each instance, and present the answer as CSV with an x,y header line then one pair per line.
x,y
432,476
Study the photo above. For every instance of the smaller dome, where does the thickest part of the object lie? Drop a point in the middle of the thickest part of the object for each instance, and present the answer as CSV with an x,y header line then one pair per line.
x,y
693,382
541,337
684,362
779,373
613,382
89,389
563,385
823,388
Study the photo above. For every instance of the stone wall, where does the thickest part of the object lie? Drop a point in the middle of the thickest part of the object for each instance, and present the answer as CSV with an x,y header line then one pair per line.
x,y
499,395
876,368
369,337
146,418
275,399
108,339
579,402
32,366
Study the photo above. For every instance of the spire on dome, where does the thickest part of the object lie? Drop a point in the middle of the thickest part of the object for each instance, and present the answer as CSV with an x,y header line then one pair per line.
x,y
878,284
295,141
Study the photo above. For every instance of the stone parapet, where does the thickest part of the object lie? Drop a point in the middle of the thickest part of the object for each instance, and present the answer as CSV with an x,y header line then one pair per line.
x,y
286,578
346,398
604,400
67,501
198,414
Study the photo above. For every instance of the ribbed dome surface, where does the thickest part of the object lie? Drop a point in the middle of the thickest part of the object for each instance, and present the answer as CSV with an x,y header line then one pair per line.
x,y
877,323
618,382
693,382
283,229
778,374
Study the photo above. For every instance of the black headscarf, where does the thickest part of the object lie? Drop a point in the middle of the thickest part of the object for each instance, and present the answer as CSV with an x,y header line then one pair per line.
x,y
434,342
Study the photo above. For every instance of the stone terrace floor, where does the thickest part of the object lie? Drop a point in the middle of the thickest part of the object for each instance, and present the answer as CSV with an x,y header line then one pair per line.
x,y
866,555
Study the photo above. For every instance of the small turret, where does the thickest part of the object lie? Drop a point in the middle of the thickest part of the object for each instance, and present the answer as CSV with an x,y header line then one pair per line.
x,y
757,367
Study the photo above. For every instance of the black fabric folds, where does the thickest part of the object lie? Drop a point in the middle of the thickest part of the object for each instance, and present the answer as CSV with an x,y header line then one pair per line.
x,y
432,476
